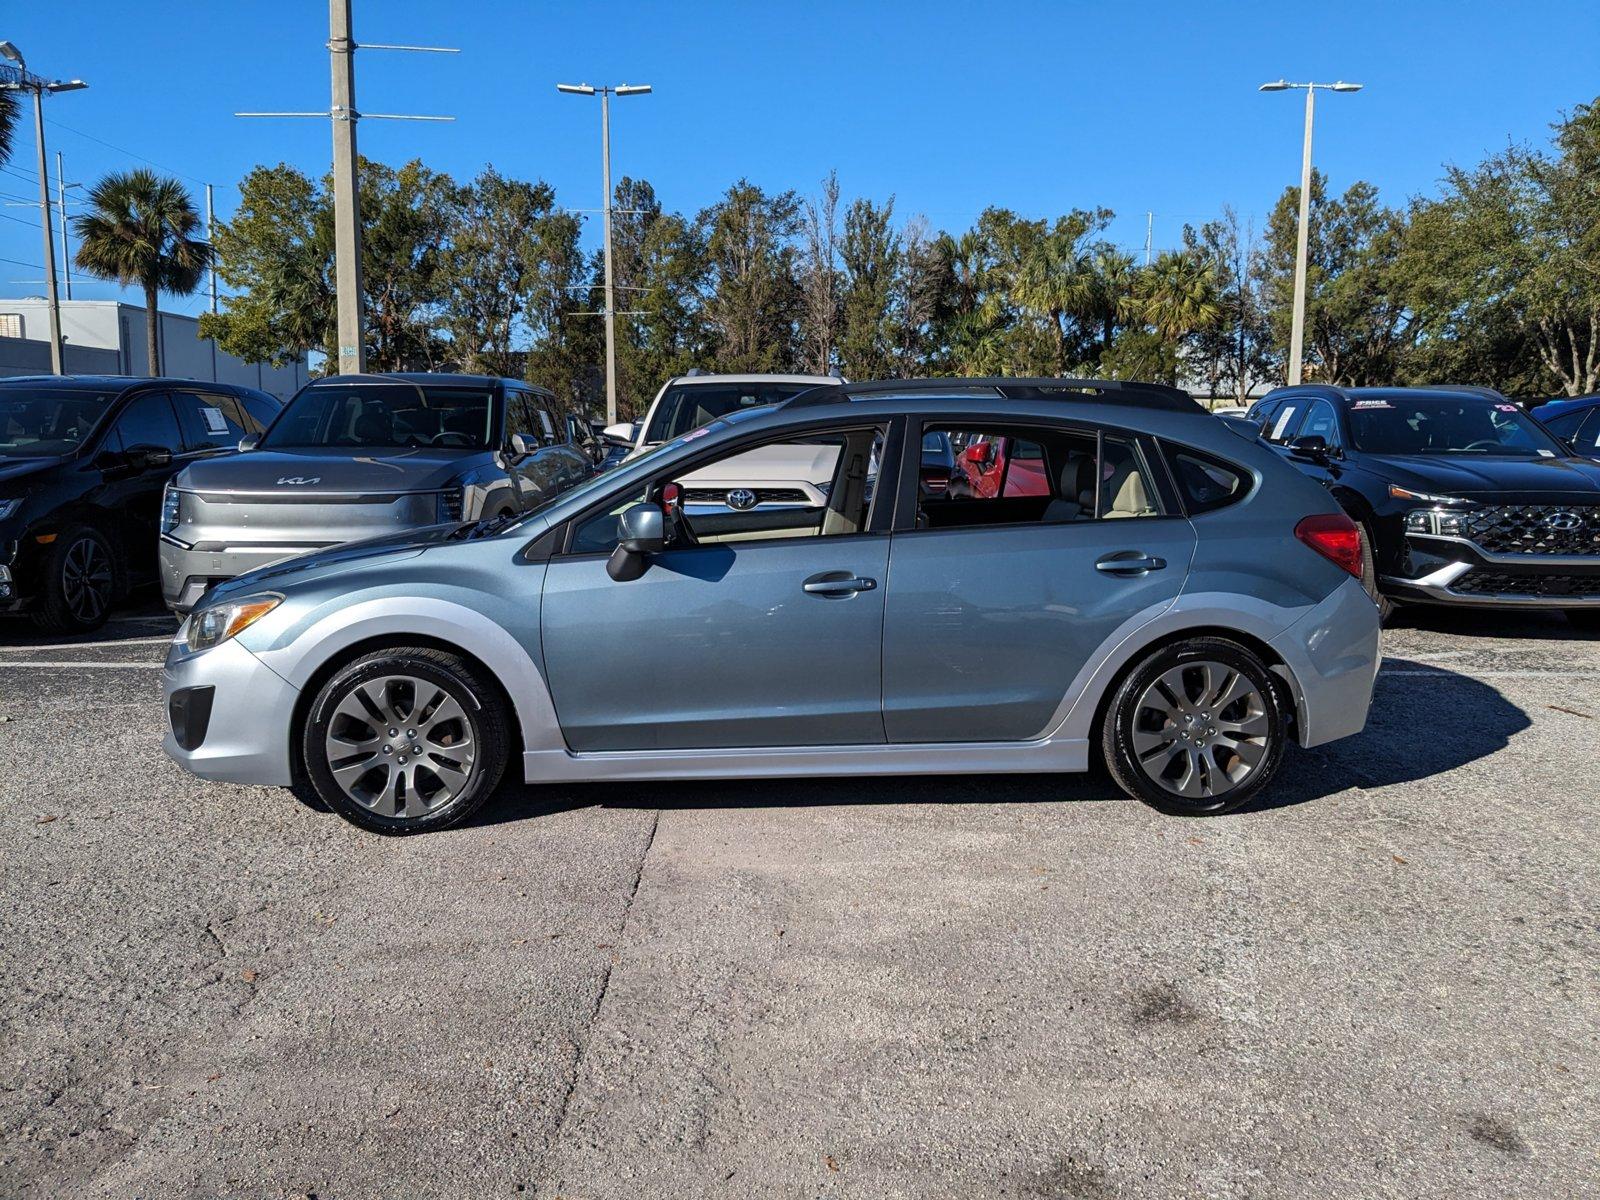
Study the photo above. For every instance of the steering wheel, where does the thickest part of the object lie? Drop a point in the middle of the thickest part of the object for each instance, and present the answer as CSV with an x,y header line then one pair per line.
x,y
1483,444
450,438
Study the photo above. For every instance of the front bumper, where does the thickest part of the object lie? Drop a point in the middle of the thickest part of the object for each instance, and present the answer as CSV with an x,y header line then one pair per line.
x,y
1448,570
245,738
186,571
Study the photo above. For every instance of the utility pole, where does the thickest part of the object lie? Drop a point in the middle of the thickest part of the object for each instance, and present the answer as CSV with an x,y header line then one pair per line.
x,y
342,47
1297,325
211,240
346,191
20,79
61,211
605,94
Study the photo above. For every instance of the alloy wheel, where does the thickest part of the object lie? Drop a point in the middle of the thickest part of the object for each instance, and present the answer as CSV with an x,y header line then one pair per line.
x,y
400,746
86,580
1200,730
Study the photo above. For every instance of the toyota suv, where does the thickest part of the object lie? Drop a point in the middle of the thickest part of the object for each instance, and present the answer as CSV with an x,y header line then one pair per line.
x,y
689,401
357,456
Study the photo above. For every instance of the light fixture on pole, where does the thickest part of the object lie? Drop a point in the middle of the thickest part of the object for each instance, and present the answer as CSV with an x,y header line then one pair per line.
x,y
1297,327
19,79
605,94
342,47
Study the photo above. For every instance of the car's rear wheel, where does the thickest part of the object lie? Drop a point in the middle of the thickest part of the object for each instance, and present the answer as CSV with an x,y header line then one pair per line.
x,y
79,582
1196,728
405,740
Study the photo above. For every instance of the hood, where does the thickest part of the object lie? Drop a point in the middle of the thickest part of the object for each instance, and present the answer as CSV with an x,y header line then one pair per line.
x,y
324,471
1508,479
15,470
786,462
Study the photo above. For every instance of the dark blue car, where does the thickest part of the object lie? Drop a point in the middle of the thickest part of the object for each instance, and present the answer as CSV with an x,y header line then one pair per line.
x,y
1575,421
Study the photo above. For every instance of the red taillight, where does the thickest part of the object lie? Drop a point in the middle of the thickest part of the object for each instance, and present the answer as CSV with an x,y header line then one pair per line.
x,y
1334,536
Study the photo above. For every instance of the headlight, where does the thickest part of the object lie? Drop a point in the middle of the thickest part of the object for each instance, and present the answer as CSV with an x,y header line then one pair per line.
x,y
1436,522
171,499
1400,493
452,504
216,624
7,507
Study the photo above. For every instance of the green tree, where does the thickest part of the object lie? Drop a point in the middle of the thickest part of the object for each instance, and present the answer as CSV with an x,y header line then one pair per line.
x,y
1177,298
141,230
753,300
1231,353
1358,327
870,254
1512,246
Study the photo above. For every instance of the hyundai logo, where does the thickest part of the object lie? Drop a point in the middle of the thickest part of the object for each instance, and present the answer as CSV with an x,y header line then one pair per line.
x,y
299,480
1563,520
742,498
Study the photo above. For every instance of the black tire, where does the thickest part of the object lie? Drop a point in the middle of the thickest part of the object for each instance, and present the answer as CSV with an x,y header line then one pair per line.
x,y
1126,719
1587,619
436,758
80,582
1369,575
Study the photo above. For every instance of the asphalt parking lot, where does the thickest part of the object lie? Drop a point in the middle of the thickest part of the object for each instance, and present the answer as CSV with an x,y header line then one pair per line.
x,y
1381,983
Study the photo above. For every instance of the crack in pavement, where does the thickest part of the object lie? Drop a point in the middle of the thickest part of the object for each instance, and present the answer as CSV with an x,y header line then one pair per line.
x,y
581,1054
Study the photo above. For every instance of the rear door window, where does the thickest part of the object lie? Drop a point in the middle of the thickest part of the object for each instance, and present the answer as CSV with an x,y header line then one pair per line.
x,y
148,422
210,420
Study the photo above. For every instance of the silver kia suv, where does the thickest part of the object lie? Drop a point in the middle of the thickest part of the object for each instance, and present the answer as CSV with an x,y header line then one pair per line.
x,y
357,456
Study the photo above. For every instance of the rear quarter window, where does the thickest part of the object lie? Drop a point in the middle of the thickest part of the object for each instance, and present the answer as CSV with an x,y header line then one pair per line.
x,y
1205,483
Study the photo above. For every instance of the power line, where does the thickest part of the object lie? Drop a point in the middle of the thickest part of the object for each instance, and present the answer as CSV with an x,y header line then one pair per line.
x,y
124,150
17,262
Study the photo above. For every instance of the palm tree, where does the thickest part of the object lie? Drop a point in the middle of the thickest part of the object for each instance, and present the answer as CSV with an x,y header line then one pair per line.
x,y
1178,296
10,112
140,230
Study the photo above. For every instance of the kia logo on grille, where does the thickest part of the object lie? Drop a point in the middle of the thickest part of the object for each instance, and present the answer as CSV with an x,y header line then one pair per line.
x,y
299,479
742,498
1563,520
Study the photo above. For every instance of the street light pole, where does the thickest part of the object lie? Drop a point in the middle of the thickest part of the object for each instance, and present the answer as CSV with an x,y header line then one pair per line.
x,y
1297,325
61,211
19,79
605,94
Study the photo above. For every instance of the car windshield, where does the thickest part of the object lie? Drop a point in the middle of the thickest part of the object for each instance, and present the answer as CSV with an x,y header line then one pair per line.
x,y
47,422
1396,424
397,414
688,406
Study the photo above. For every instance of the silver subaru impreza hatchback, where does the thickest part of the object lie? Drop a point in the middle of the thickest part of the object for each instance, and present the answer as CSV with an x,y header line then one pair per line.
x,y
1105,571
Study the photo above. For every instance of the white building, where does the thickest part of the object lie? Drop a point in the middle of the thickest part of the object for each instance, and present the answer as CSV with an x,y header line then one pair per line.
x,y
108,337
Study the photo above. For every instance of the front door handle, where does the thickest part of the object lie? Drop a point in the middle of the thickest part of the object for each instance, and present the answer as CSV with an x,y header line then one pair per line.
x,y
831,584
1129,562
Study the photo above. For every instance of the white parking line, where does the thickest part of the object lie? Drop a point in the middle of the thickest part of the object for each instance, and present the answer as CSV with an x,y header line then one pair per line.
x,y
149,641
1501,674
93,666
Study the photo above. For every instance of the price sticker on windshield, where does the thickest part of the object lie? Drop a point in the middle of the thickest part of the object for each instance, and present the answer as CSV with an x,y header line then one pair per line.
x,y
1506,407
1360,404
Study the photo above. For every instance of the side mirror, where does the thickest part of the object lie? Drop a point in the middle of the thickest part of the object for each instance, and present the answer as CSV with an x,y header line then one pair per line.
x,y
623,433
1313,446
644,531
522,445
249,442
979,453
144,458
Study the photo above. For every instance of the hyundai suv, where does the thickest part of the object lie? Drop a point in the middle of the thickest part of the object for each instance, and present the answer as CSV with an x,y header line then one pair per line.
x,y
355,456
1182,602
1460,496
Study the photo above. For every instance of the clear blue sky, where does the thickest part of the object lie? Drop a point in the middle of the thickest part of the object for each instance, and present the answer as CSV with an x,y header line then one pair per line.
x,y
947,105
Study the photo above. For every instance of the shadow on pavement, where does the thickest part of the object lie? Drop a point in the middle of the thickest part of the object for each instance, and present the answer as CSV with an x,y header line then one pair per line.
x,y
1419,726
1505,623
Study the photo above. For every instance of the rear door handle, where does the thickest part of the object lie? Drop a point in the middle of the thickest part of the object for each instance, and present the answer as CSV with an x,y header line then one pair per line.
x,y
831,584
1129,562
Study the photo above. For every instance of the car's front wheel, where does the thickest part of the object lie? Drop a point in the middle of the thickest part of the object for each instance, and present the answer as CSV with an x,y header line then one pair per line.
x,y
405,740
1196,728
79,582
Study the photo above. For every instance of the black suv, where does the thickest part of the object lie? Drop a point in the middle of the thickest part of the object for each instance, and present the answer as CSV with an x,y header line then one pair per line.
x,y
1460,496
83,460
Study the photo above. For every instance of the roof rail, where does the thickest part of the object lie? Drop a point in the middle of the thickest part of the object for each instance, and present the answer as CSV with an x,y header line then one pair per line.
x,y
1142,395
693,371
